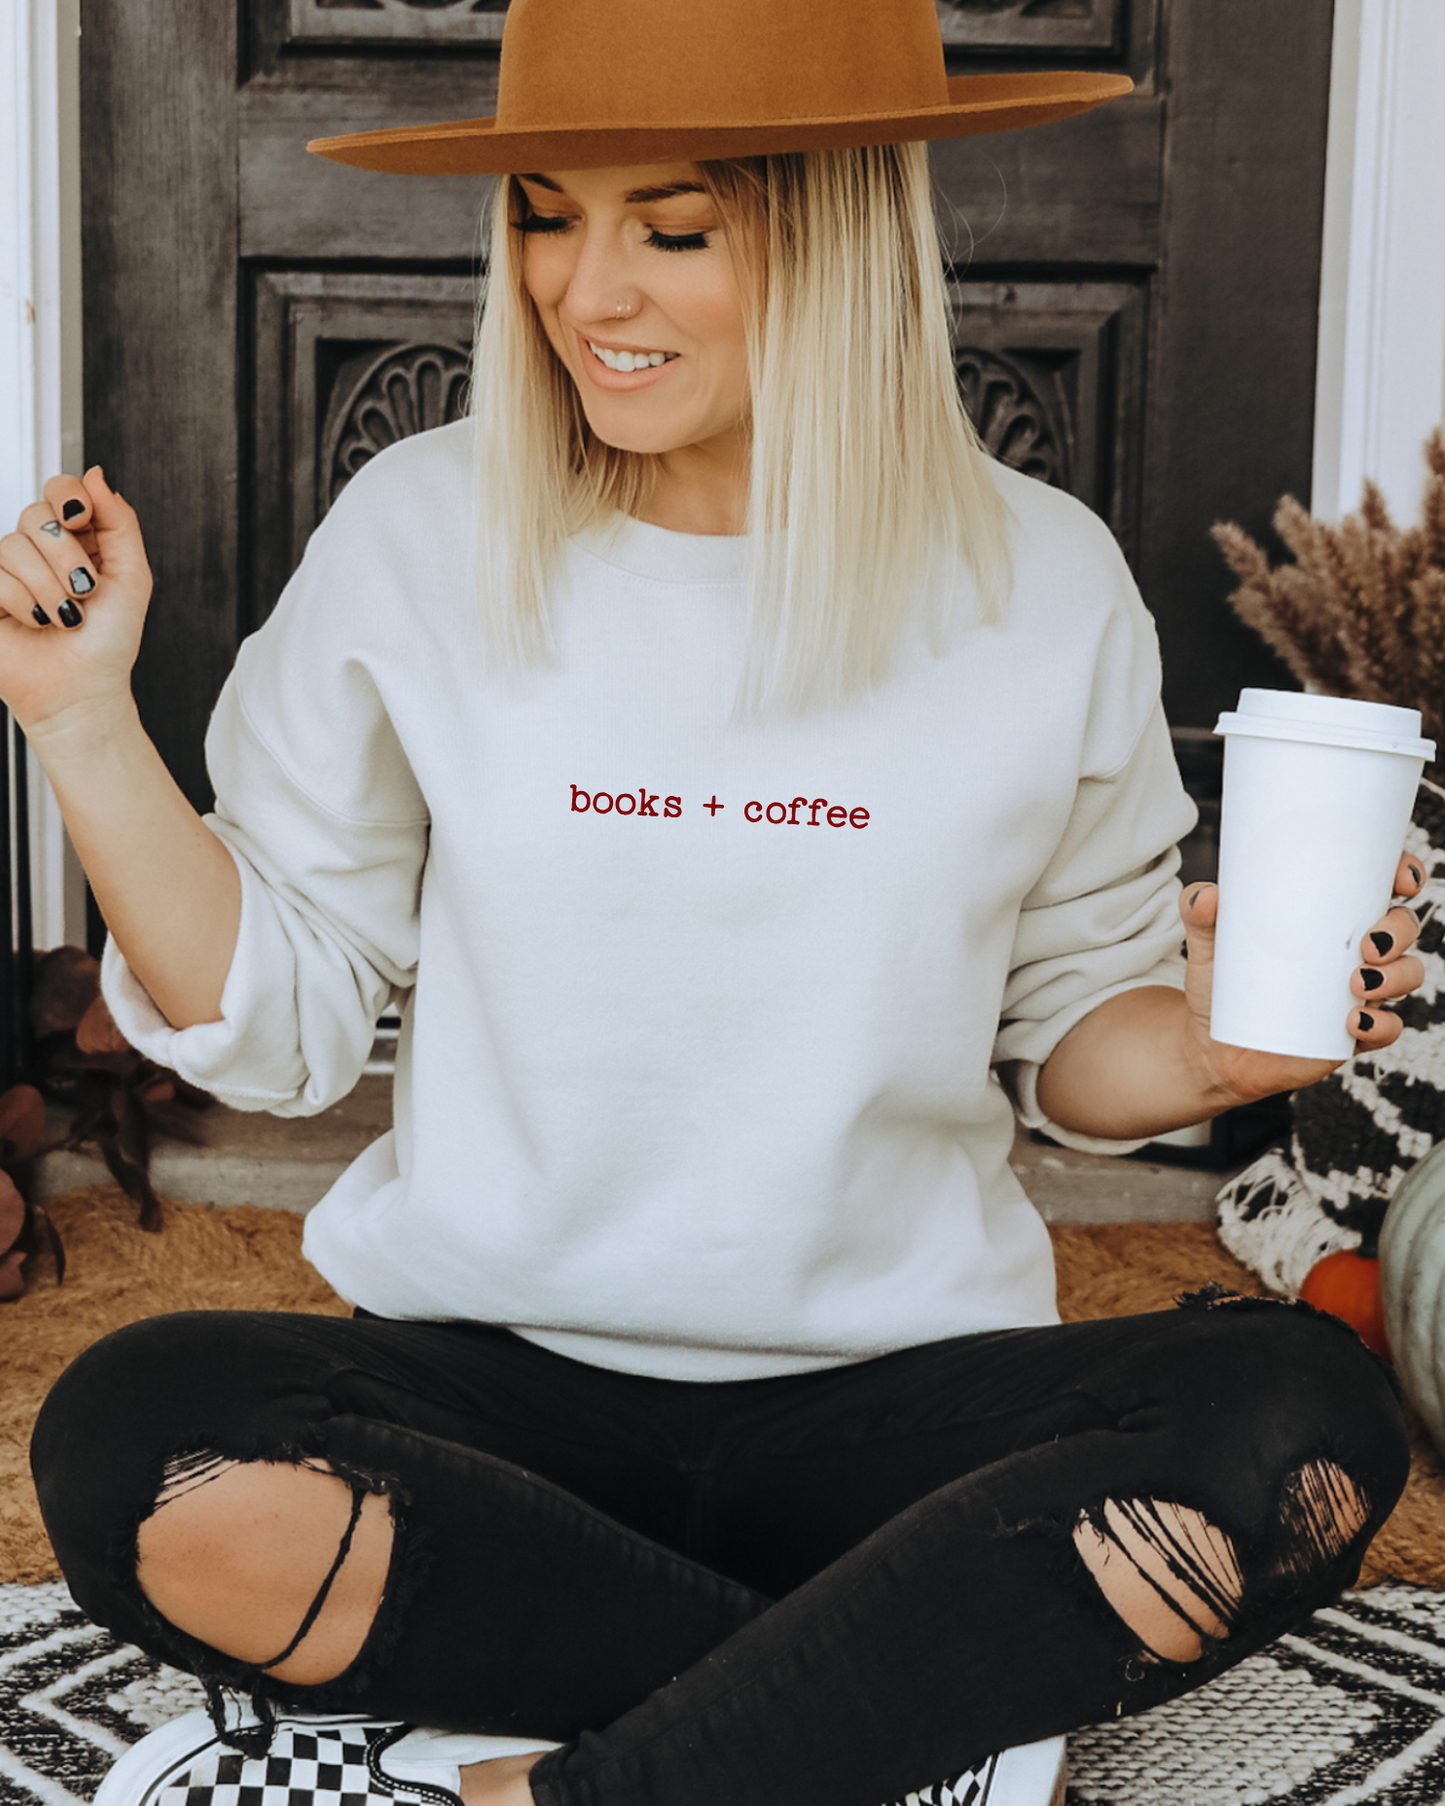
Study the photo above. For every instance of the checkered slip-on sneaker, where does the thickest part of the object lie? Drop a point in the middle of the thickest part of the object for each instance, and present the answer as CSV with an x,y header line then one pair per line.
x,y
320,1761
1034,1774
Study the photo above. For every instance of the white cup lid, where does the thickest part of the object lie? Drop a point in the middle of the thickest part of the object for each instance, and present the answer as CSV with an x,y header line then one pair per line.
x,y
1327,721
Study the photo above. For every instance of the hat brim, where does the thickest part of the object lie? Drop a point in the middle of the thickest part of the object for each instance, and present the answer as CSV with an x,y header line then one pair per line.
x,y
469,147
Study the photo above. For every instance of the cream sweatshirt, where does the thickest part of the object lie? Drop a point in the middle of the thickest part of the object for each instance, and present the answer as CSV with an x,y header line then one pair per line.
x,y
703,1022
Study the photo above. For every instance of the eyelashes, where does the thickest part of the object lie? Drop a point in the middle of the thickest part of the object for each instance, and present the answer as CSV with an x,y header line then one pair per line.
x,y
686,241
541,222
659,241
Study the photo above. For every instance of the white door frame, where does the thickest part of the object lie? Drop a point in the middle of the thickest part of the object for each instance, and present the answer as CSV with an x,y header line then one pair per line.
x,y
40,381
1381,368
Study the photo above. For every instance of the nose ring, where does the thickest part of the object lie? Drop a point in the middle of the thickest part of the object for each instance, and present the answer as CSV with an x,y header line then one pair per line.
x,y
624,312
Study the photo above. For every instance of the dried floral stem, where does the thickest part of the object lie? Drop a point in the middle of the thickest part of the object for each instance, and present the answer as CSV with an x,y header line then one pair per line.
x,y
1361,611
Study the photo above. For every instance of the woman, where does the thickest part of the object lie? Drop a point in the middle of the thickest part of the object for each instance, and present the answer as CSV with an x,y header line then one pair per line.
x,y
785,773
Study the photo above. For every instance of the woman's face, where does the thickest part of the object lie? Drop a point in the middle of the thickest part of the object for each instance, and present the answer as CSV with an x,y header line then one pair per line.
x,y
646,238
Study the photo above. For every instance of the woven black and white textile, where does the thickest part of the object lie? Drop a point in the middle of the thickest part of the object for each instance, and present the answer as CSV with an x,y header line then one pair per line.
x,y
1357,1133
1350,1709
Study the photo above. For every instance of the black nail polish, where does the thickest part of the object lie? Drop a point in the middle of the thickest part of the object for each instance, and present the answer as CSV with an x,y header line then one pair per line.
x,y
52,527
72,508
81,581
1382,942
1416,873
1367,1022
40,615
1370,978
70,615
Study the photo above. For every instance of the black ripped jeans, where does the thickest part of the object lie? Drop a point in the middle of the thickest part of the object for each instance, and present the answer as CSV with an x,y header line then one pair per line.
x,y
826,1589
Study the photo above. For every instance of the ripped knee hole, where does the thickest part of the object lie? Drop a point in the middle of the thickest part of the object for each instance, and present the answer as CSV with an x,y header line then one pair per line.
x,y
280,1565
1174,1578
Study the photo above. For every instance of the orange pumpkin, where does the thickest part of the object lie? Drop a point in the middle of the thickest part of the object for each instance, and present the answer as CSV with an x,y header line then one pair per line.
x,y
1347,1285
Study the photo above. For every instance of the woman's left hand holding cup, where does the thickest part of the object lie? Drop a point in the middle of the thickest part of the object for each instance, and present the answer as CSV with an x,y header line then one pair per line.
x,y
1388,971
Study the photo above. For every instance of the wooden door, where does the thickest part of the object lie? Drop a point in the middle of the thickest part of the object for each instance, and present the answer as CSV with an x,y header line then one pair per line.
x,y
1135,291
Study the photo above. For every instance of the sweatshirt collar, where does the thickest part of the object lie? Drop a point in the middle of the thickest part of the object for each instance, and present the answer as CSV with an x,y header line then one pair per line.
x,y
657,552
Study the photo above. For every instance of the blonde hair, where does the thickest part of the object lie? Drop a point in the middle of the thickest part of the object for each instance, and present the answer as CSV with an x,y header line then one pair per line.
x,y
871,503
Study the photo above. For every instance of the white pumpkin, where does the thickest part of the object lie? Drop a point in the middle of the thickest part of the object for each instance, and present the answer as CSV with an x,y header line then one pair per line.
x,y
1412,1287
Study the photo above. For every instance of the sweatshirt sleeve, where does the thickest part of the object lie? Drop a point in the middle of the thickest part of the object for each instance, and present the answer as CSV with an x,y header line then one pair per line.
x,y
1103,917
317,805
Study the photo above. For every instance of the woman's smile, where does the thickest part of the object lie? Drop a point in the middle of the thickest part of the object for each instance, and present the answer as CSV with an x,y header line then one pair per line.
x,y
619,368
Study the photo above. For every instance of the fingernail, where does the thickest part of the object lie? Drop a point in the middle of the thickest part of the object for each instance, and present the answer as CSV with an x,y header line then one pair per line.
x,y
70,615
1382,942
52,527
1415,872
72,508
81,581
40,615
1367,1022
1370,978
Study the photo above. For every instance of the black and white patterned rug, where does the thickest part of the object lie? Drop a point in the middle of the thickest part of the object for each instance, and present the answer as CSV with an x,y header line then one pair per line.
x,y
1351,1709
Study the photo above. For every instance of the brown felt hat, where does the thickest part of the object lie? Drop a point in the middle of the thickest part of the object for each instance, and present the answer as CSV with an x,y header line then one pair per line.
x,y
585,84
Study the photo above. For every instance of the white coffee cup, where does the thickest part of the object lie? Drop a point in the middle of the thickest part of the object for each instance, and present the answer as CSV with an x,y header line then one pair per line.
x,y
1318,794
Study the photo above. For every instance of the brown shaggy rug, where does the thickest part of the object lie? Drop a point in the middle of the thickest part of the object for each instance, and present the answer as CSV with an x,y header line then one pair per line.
x,y
241,1258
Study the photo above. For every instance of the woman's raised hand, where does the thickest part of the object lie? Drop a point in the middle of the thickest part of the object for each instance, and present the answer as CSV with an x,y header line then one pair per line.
x,y
74,587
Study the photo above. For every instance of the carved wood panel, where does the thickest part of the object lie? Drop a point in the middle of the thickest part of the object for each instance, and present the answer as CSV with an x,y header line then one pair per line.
x,y
347,364
384,394
1052,374
387,21
1019,25
1051,25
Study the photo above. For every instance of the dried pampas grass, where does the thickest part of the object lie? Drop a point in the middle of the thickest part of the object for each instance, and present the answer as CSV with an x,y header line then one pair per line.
x,y
1361,611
